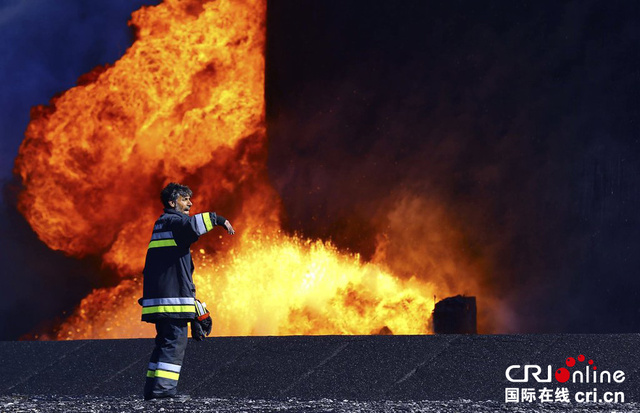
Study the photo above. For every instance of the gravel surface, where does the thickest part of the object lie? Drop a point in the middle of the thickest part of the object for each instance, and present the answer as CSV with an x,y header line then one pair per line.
x,y
20,403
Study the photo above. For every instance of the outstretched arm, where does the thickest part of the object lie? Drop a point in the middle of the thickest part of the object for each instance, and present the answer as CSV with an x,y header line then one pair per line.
x,y
228,226
204,222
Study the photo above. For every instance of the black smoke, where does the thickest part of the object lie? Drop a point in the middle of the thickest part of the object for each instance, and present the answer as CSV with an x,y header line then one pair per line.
x,y
521,118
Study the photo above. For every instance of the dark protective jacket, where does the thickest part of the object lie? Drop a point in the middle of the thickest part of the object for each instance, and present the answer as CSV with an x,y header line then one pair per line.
x,y
168,289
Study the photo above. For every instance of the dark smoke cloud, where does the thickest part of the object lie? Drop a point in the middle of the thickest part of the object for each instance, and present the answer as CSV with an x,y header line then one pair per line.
x,y
39,286
45,46
521,118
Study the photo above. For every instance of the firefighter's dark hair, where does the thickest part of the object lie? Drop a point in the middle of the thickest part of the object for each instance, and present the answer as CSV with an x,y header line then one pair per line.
x,y
172,191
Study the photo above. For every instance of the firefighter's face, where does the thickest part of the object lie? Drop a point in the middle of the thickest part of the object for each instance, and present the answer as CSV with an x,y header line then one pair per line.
x,y
182,204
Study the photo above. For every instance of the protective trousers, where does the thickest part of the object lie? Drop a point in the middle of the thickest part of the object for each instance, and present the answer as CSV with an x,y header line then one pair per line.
x,y
166,359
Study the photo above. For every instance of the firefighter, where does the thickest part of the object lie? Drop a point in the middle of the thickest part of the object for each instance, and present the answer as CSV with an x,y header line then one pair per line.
x,y
168,291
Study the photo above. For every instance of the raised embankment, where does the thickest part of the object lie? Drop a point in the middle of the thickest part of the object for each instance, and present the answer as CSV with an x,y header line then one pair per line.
x,y
445,367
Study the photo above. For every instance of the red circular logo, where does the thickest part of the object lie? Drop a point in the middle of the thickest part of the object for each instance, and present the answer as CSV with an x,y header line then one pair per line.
x,y
562,375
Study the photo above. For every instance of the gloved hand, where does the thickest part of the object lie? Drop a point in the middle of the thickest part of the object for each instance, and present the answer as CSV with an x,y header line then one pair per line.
x,y
196,330
201,325
206,324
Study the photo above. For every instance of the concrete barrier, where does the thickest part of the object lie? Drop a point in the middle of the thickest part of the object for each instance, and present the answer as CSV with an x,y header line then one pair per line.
x,y
443,367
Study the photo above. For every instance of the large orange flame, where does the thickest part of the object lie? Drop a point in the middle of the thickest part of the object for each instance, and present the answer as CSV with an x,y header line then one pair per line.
x,y
186,103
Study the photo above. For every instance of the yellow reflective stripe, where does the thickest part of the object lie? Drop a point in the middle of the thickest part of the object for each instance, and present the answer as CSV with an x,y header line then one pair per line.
x,y
207,221
167,374
169,309
164,374
163,243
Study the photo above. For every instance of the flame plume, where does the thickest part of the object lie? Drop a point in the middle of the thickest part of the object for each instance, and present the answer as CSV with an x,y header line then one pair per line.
x,y
186,103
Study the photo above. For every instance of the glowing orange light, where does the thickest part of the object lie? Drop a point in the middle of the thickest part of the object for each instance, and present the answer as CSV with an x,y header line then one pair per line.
x,y
186,104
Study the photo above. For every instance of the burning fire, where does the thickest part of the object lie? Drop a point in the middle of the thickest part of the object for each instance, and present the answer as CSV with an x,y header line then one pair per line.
x,y
186,103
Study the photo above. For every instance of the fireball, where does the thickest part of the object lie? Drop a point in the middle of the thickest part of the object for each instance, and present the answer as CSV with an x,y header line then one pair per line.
x,y
185,103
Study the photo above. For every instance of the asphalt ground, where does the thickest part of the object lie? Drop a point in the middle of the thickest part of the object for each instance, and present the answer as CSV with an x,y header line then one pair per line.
x,y
442,373
18,403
